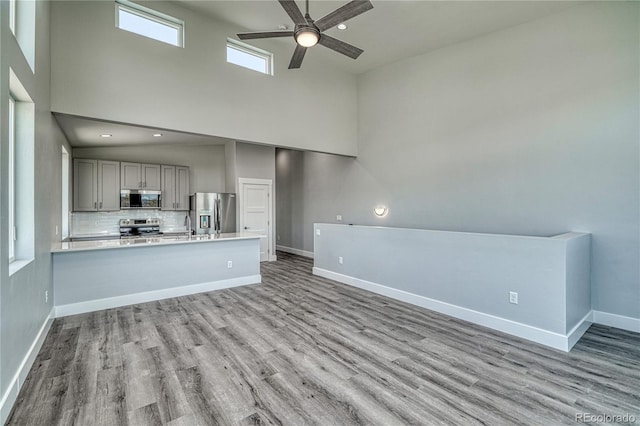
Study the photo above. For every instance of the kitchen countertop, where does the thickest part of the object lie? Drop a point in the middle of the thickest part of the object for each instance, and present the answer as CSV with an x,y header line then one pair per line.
x,y
95,235
74,246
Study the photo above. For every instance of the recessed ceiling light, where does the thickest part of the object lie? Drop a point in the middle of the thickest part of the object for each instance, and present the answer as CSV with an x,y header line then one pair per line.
x,y
105,135
342,26
157,135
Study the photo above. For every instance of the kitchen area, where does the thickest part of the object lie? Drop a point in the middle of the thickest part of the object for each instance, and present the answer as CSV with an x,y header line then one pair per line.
x,y
150,222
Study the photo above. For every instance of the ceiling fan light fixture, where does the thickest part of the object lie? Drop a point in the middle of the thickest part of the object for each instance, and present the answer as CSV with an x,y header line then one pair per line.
x,y
307,37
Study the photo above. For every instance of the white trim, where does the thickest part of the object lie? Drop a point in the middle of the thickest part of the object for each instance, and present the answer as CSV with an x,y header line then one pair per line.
x,y
9,397
292,250
248,49
578,331
617,321
538,335
149,296
151,15
271,214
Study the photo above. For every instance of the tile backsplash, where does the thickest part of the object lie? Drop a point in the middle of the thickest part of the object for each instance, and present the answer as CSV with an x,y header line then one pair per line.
x,y
83,223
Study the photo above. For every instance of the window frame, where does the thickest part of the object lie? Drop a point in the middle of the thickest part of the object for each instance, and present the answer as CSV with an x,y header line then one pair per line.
x,y
65,184
11,234
13,4
253,51
151,15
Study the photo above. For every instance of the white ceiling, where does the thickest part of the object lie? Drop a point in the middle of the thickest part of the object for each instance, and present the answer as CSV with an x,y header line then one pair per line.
x,y
85,132
392,30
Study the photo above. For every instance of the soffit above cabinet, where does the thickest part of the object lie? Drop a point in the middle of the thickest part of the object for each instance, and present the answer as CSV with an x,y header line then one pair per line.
x,y
86,132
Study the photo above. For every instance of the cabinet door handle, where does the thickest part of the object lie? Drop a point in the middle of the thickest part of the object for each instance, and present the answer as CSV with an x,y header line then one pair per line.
x,y
140,184
95,205
100,204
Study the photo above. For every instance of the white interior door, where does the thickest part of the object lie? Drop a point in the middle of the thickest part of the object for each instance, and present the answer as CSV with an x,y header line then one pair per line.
x,y
255,212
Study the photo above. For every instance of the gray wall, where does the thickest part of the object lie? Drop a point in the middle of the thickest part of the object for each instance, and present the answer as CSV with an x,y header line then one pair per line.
x,y
230,166
290,199
206,163
467,270
22,303
257,162
102,72
165,267
532,130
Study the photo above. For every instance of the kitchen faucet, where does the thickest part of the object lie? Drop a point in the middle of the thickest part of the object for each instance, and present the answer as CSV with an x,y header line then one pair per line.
x,y
187,223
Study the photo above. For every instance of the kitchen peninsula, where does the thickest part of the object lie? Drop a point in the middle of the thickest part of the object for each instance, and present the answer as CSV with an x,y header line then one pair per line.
x,y
94,275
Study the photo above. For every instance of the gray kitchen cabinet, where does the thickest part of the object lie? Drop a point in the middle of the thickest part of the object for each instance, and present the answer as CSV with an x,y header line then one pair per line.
x,y
85,185
96,185
150,176
182,188
130,176
175,188
140,176
108,185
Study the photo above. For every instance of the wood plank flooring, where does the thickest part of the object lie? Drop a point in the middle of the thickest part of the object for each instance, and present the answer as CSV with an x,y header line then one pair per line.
x,y
303,350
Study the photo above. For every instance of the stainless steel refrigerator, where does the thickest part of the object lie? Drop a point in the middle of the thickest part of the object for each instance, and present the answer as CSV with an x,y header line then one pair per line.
x,y
212,212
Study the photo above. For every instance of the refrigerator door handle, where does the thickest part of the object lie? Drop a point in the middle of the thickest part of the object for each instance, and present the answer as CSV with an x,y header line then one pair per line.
x,y
217,215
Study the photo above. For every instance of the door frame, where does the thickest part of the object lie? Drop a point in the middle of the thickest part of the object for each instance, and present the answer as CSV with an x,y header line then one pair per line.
x,y
271,255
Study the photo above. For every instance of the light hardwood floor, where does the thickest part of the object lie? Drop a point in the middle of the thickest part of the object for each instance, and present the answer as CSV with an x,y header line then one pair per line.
x,y
300,349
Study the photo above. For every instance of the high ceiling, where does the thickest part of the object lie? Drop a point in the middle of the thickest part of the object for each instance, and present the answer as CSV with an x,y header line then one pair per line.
x,y
393,30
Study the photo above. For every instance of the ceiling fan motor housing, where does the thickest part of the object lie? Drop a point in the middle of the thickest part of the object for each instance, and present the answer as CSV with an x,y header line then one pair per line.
x,y
305,28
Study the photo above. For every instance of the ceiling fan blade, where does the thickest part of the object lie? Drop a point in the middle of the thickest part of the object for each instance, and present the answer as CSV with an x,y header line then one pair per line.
x,y
340,46
293,11
265,34
342,14
298,56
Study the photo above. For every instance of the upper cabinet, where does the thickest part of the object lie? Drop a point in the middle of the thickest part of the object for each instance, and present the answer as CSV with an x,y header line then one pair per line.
x,y
108,185
150,176
140,176
96,185
175,188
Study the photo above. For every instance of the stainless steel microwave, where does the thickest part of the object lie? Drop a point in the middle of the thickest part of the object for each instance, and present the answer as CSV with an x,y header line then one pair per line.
x,y
140,199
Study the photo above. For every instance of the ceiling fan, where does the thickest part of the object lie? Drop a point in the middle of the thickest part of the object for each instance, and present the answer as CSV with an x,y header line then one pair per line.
x,y
307,32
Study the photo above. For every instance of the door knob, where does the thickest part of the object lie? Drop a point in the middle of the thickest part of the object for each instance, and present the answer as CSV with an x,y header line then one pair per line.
x,y
246,227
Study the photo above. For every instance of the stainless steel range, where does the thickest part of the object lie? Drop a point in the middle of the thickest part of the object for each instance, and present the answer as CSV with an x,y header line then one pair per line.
x,y
139,228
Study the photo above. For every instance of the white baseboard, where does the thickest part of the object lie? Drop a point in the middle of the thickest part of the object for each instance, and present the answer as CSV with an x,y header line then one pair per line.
x,y
576,332
299,252
10,396
538,335
617,321
149,296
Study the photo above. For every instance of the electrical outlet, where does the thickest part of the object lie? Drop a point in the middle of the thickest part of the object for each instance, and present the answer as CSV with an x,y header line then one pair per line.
x,y
340,261
46,296
278,237
513,297
317,232
339,217
229,264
